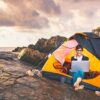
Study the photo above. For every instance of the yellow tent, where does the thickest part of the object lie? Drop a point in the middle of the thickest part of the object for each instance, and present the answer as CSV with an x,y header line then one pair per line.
x,y
91,45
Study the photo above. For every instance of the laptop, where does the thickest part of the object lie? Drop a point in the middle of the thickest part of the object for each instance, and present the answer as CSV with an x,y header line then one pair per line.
x,y
80,65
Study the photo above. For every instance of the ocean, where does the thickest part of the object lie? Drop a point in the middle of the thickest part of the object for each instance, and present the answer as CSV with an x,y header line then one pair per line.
x,y
5,49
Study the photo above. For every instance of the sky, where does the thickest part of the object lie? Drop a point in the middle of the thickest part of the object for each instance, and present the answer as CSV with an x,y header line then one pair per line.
x,y
23,22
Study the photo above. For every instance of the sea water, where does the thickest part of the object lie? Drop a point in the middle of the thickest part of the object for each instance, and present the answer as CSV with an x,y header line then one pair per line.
x,y
5,49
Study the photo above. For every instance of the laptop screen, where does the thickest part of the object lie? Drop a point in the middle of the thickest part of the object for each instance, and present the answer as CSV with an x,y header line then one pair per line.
x,y
80,65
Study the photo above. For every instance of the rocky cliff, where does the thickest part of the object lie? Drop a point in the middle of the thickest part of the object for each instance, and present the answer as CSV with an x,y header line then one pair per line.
x,y
37,54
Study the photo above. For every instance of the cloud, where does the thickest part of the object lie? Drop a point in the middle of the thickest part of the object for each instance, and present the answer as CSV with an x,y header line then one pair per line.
x,y
48,6
22,14
50,15
38,23
6,22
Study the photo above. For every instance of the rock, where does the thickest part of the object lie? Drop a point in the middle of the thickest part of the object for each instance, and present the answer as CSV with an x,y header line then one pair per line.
x,y
37,54
47,46
34,73
7,56
31,46
22,52
31,56
18,49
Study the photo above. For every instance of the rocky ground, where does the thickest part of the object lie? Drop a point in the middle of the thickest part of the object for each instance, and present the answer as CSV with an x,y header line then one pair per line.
x,y
16,85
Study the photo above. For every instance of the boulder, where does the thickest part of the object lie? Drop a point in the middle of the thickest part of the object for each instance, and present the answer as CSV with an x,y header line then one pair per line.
x,y
47,46
31,46
37,54
18,49
31,56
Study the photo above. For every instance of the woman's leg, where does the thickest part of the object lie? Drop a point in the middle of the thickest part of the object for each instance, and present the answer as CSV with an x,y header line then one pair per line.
x,y
77,78
76,75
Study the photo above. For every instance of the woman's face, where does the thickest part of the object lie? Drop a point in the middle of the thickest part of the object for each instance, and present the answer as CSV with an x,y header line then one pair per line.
x,y
79,52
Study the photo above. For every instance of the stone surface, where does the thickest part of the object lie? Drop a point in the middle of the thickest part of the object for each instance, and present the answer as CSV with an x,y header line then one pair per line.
x,y
16,85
